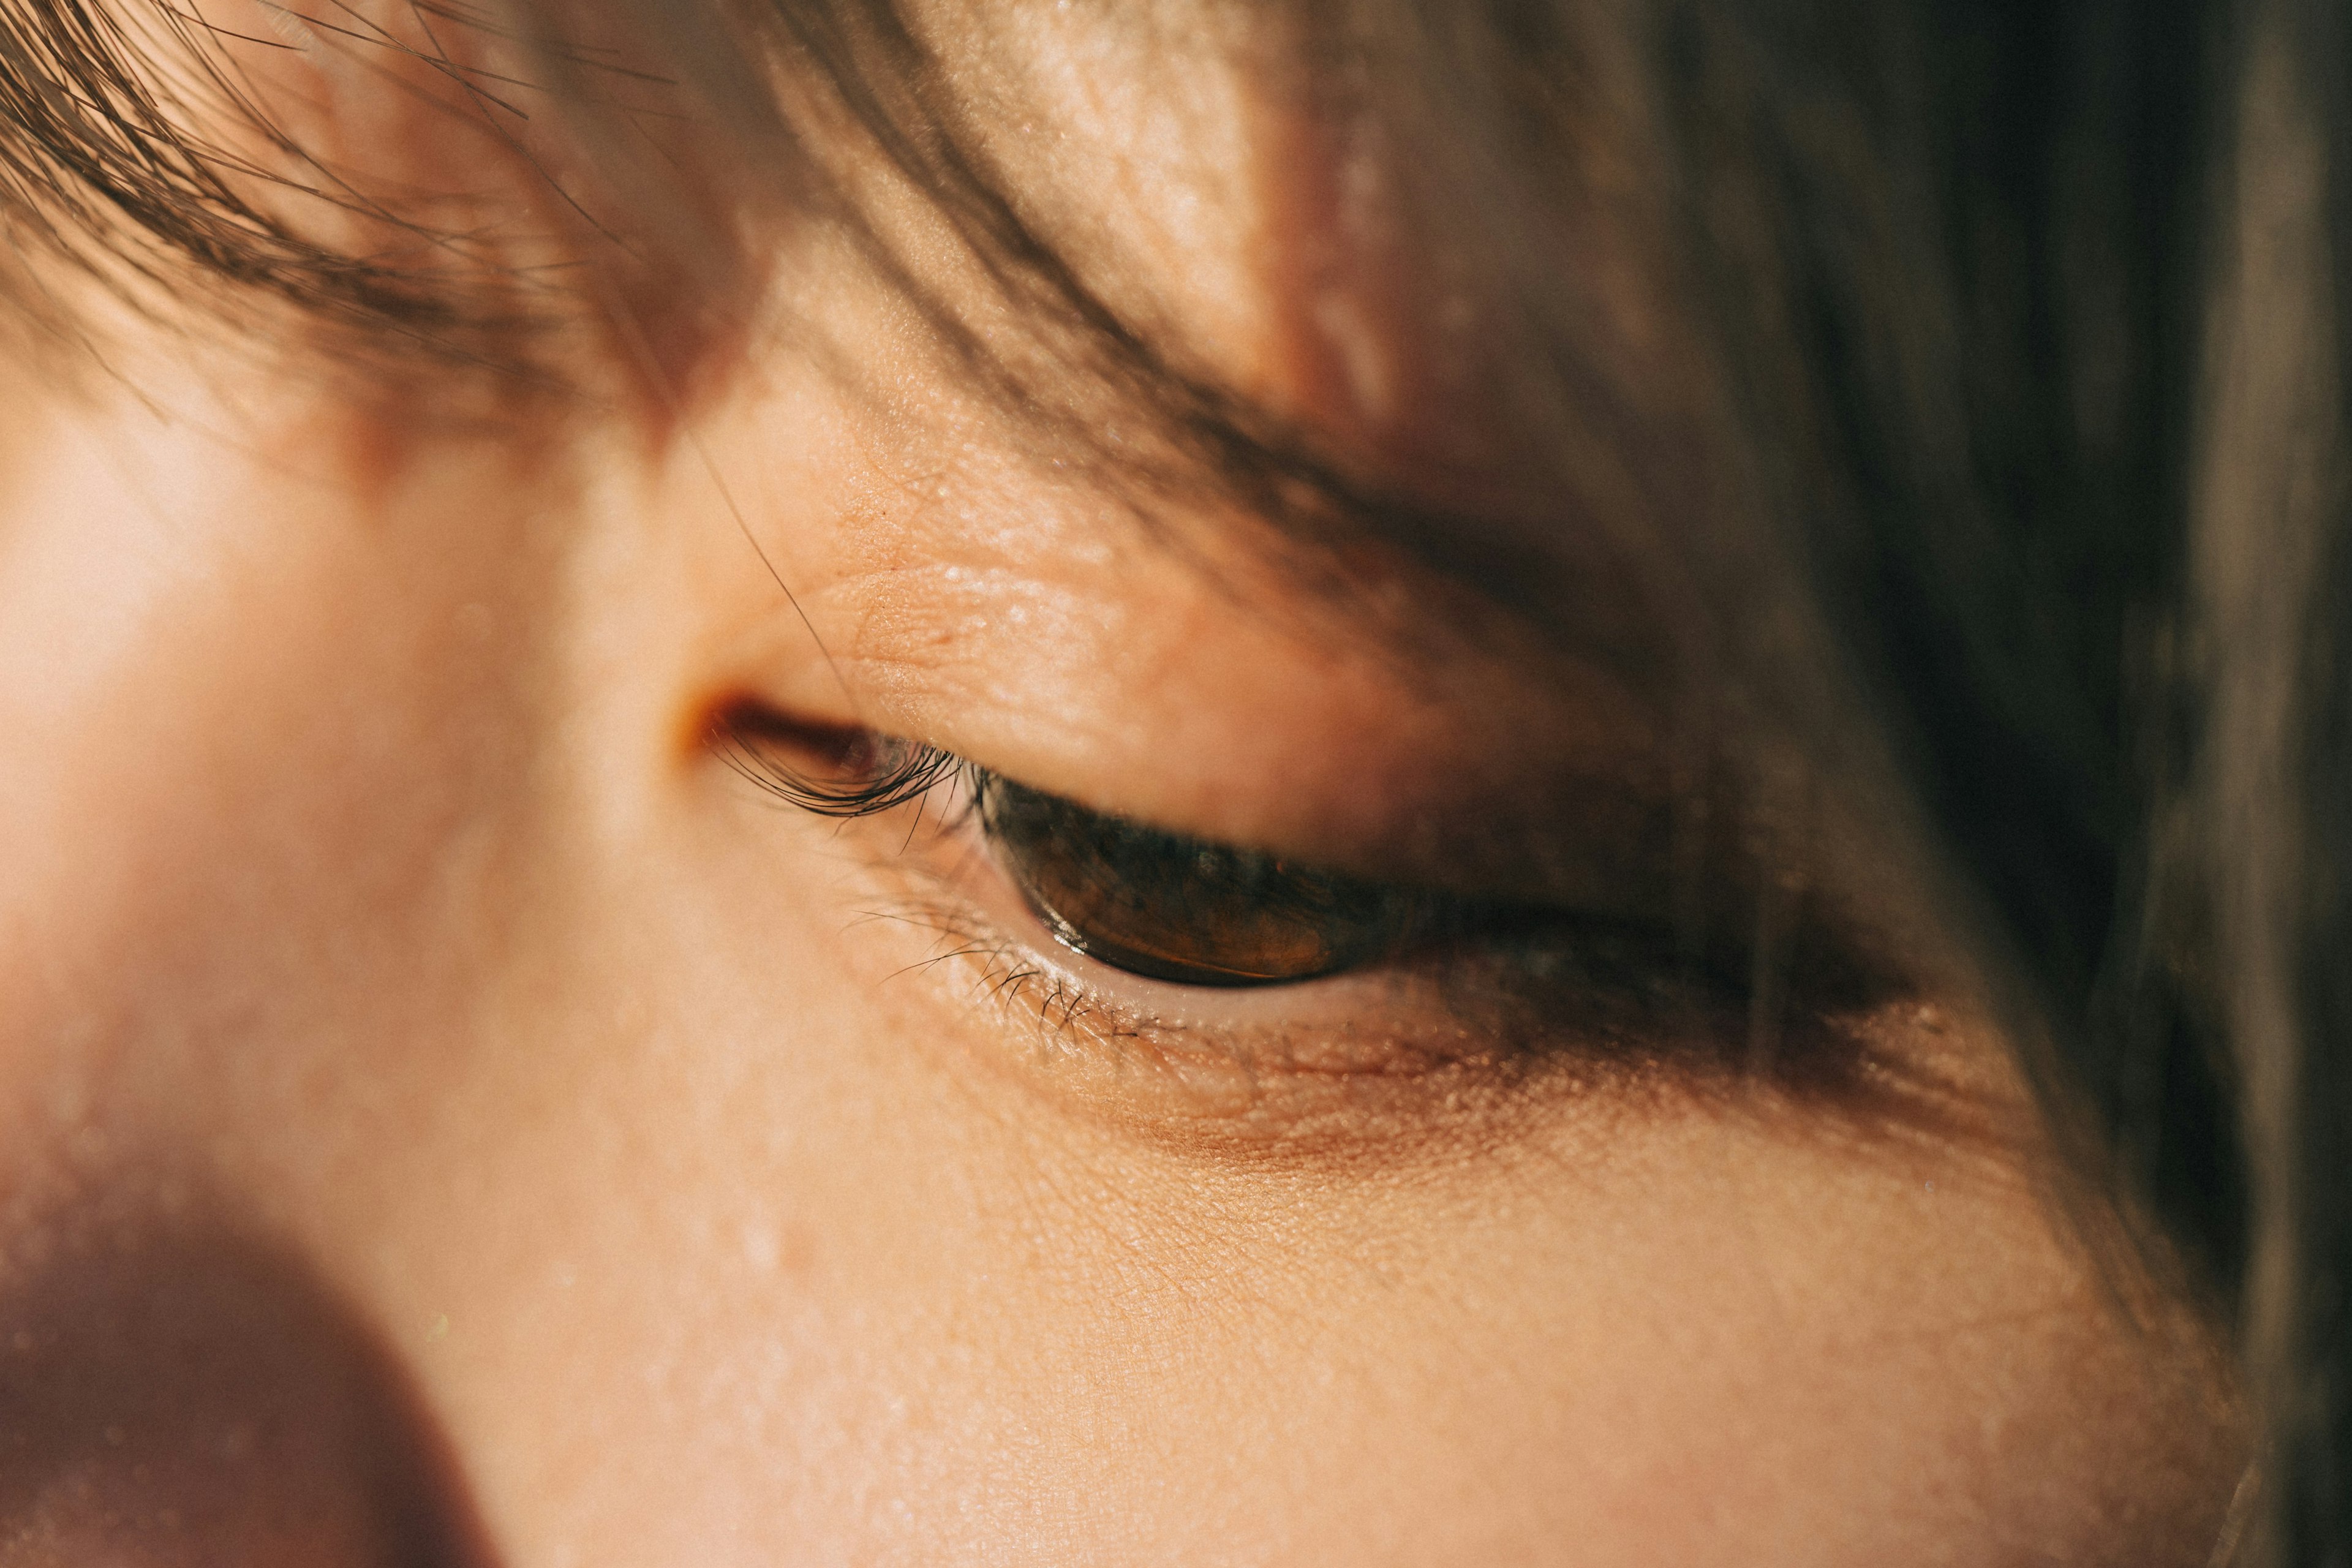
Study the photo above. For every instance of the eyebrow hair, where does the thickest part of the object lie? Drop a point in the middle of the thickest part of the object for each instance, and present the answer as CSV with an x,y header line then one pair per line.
x,y
1323,510
1556,561
1168,436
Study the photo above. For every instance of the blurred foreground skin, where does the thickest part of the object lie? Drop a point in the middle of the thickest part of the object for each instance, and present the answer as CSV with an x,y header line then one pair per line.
x,y
447,1116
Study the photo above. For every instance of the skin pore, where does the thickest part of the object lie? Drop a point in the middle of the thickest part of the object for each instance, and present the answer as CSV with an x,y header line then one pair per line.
x,y
448,1113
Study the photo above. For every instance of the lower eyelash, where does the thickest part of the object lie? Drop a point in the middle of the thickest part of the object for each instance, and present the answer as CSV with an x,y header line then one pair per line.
x,y
1437,1025
877,776
1031,975
1030,980
1006,971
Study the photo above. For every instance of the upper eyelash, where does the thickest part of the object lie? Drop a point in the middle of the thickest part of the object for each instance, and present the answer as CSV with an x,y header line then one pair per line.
x,y
880,773
895,773
885,773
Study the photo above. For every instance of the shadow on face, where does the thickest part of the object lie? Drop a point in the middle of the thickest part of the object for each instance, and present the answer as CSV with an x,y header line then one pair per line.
x,y
189,1394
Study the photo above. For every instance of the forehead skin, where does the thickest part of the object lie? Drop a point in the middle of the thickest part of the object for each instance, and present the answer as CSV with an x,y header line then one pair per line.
x,y
446,1115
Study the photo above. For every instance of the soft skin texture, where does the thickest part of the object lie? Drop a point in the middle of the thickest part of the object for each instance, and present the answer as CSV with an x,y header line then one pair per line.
x,y
447,1115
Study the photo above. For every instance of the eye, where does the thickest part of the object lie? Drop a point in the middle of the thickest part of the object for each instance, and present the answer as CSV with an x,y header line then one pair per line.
x,y
1123,893
1451,980
1178,909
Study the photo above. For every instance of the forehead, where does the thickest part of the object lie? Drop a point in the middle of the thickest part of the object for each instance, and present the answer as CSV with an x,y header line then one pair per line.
x,y
1351,290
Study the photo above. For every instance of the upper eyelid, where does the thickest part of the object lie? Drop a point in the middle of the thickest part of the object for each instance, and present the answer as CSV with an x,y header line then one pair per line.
x,y
905,771
909,771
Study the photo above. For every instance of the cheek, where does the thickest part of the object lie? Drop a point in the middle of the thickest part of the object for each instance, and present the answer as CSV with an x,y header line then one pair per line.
x,y
1691,1346
1709,1339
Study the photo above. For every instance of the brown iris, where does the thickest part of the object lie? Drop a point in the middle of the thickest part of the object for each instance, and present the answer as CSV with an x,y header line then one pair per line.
x,y
1178,909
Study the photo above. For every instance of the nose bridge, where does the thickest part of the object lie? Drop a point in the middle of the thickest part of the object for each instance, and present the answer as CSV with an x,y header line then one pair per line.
x,y
245,717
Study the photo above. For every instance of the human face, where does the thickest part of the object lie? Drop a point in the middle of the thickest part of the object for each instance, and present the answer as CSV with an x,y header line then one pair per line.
x,y
447,1111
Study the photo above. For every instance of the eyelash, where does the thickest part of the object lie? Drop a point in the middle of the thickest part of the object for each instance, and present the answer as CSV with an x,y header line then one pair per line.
x,y
1008,972
867,775
1508,1007
879,775
873,777
1490,985
1132,898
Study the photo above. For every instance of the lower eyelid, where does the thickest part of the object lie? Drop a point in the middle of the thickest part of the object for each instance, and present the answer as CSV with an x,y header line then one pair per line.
x,y
1362,1074
1469,1033
1435,1058
1481,1019
1380,1022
